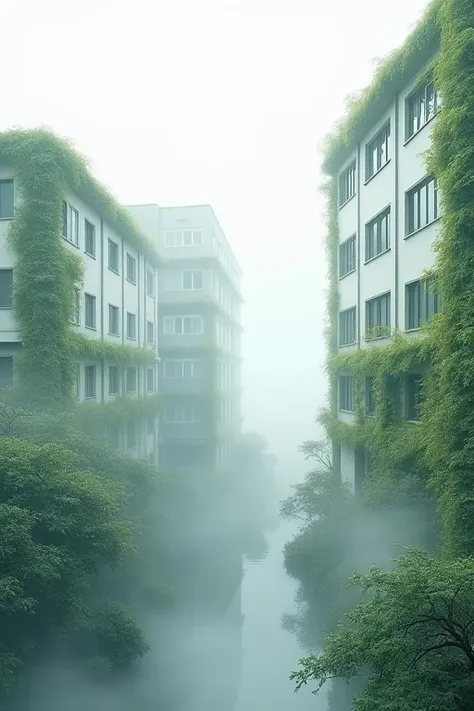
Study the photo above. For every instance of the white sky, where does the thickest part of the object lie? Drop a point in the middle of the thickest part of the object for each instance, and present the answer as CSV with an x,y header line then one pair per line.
x,y
220,101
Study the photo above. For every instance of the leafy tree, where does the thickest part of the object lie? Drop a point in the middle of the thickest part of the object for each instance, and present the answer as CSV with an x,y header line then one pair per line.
x,y
59,525
411,639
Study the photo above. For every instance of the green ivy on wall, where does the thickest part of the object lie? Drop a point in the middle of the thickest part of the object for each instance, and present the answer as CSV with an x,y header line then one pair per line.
x,y
410,461
45,168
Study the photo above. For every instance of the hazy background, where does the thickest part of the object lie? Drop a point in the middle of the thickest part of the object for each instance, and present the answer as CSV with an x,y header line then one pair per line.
x,y
220,101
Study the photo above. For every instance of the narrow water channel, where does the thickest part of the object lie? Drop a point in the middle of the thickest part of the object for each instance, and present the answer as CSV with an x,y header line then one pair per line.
x,y
270,653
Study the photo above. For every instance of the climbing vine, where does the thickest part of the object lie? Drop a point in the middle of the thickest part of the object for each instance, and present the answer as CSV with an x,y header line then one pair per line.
x,y
45,168
435,455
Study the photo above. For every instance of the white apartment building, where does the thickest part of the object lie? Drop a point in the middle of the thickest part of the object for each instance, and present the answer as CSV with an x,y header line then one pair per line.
x,y
388,217
116,303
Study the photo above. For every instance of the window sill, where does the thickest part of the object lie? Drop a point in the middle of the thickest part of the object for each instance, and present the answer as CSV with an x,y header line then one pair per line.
x,y
6,219
374,175
117,335
91,328
413,330
73,244
367,261
413,422
347,345
89,254
376,338
115,271
130,338
90,397
371,416
420,129
347,201
420,229
6,308
353,271
113,394
347,412
130,281
152,296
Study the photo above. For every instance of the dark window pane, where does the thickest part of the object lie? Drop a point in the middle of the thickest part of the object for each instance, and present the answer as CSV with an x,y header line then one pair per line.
x,y
7,207
6,288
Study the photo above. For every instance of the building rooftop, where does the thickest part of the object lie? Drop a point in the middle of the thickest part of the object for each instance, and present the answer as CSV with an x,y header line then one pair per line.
x,y
41,149
393,74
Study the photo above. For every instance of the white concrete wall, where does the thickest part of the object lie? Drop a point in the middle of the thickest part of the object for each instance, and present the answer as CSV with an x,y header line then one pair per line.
x,y
411,255
108,288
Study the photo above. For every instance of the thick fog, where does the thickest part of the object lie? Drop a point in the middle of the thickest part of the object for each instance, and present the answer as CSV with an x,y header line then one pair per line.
x,y
223,102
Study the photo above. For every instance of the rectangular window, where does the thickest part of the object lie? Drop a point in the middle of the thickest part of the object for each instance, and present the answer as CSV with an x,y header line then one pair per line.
x,y
113,256
422,205
131,326
113,380
347,326
6,288
421,303
184,414
131,268
78,382
377,317
183,325
346,393
7,201
420,107
369,397
6,371
376,152
131,380
150,332
150,282
413,384
184,238
150,380
90,381
76,317
192,280
89,233
347,184
180,368
132,438
150,425
347,256
377,235
90,311
114,326
70,223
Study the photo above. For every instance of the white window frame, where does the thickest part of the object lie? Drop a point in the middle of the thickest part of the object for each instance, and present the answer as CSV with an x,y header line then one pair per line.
x,y
114,333
150,278
134,337
69,236
112,269
86,325
192,273
131,268
86,367
180,364
172,320
176,238
86,223
181,419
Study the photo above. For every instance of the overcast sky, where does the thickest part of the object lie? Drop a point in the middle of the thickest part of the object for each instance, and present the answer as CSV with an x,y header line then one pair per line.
x,y
219,101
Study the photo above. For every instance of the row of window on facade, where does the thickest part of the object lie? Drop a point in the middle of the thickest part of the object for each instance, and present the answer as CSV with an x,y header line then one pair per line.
x,y
71,232
119,382
194,325
422,207
90,318
128,434
193,280
195,238
421,303
407,396
420,107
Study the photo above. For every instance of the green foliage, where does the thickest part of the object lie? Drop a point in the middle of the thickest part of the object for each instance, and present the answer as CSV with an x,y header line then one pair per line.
x,y
46,168
450,416
392,75
410,639
83,347
59,525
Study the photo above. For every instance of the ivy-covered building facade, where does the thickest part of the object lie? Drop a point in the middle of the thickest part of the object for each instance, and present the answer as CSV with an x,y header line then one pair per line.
x,y
200,335
78,294
400,339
